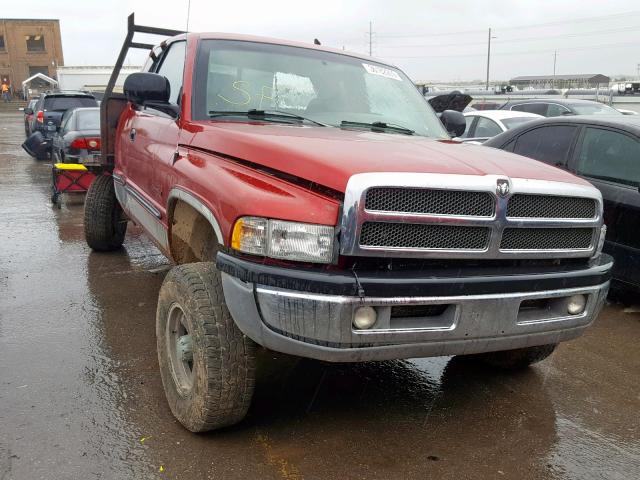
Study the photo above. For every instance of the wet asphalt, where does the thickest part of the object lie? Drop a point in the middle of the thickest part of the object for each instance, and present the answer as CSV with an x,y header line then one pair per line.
x,y
81,397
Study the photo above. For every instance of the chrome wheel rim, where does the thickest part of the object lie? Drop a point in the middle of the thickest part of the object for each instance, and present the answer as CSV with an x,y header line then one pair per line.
x,y
180,349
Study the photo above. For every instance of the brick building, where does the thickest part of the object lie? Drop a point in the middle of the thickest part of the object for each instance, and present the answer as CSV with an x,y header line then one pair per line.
x,y
27,47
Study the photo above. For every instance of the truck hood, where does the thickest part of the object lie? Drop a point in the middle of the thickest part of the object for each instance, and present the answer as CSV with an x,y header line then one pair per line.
x,y
330,156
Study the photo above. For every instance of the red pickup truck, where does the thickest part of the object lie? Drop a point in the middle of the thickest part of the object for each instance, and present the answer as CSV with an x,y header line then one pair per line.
x,y
315,205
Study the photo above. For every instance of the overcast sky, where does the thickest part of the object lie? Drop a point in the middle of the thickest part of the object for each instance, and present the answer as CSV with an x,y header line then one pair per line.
x,y
431,41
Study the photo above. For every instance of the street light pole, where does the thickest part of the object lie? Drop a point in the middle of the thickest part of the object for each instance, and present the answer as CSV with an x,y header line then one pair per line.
x,y
488,56
555,57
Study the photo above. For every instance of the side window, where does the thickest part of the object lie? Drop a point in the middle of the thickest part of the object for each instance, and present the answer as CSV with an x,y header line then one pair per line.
x,y
610,155
547,144
172,67
467,131
539,108
509,146
152,59
555,110
486,128
66,122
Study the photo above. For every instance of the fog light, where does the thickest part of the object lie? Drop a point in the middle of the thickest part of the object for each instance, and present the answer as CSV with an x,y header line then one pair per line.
x,y
576,304
364,317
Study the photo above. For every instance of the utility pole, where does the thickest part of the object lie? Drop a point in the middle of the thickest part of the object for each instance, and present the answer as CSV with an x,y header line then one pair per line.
x,y
370,38
639,71
488,56
555,58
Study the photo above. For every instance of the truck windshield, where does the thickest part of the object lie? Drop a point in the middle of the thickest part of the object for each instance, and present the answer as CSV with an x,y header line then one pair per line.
x,y
237,76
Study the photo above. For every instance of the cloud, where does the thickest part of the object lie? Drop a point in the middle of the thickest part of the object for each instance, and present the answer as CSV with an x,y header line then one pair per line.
x,y
430,40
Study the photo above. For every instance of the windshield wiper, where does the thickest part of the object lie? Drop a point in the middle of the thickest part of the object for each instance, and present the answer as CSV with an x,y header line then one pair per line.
x,y
379,126
264,115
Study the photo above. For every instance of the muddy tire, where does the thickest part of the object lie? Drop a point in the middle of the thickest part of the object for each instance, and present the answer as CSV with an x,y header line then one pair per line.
x,y
206,363
518,358
105,224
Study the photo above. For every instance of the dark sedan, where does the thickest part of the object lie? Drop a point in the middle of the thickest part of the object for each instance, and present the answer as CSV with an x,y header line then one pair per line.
x,y
605,151
78,138
556,107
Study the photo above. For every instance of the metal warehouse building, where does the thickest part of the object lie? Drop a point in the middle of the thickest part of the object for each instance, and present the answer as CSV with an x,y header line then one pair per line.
x,y
581,80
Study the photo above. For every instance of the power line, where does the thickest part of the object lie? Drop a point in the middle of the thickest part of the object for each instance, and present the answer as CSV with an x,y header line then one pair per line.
x,y
521,27
525,52
522,39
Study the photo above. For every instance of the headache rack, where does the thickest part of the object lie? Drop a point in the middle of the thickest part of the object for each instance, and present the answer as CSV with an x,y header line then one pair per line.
x,y
113,103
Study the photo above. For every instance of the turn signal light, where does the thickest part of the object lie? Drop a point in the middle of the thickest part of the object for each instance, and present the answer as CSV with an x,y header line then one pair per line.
x,y
302,242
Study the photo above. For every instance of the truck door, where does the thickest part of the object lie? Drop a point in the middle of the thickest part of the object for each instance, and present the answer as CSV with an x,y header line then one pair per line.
x,y
152,138
165,145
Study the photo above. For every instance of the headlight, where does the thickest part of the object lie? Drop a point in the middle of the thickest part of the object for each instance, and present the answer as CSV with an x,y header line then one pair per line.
x,y
603,234
304,242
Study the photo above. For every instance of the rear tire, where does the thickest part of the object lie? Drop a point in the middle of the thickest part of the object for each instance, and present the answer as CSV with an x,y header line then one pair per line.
x,y
105,224
516,359
213,389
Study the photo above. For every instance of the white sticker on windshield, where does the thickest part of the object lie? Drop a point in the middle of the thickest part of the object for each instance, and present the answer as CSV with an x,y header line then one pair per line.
x,y
382,71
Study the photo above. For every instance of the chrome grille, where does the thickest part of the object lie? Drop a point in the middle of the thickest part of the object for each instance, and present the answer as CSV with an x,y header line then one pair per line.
x,y
435,202
550,206
546,238
423,236
430,215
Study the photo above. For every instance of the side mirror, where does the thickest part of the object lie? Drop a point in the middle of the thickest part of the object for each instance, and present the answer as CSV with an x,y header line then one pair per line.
x,y
27,111
454,122
147,87
150,90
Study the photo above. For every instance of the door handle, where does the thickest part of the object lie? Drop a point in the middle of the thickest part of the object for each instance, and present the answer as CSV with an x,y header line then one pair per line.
x,y
132,134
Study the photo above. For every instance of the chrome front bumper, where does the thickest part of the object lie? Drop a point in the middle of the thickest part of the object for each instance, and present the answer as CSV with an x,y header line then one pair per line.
x,y
320,326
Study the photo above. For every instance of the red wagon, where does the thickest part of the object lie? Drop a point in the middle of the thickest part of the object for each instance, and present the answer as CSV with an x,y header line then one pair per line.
x,y
70,178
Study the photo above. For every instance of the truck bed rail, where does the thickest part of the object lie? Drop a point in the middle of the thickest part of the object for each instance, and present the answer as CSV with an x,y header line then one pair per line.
x,y
112,103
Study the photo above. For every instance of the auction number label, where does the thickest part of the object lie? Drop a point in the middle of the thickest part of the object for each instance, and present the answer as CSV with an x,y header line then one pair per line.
x,y
381,71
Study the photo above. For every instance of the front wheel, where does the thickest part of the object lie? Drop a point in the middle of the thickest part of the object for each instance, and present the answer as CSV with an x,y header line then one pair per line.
x,y
105,224
206,363
518,358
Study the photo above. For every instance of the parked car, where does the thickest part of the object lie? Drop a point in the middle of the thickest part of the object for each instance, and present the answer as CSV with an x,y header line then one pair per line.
x,y
605,151
49,109
78,138
555,107
28,117
484,124
315,205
